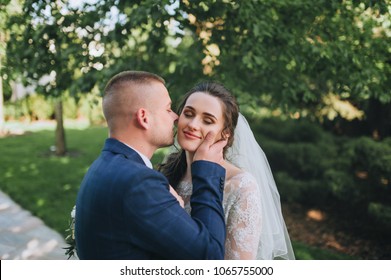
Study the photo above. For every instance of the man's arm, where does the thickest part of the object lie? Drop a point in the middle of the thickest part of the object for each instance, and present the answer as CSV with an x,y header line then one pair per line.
x,y
163,226
160,225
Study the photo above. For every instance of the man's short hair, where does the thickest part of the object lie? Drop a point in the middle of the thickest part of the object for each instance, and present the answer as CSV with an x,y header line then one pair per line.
x,y
136,77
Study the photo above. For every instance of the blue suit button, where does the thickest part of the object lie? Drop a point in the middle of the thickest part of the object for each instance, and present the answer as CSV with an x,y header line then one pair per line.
x,y
221,183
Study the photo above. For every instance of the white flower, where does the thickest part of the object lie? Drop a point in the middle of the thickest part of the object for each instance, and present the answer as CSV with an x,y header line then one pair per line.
x,y
73,212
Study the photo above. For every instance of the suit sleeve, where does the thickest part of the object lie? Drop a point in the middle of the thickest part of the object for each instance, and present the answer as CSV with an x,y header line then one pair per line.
x,y
161,226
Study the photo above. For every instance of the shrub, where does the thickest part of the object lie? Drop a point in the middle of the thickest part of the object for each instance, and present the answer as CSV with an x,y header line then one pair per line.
x,y
381,214
69,107
313,166
308,192
372,159
299,164
39,107
289,131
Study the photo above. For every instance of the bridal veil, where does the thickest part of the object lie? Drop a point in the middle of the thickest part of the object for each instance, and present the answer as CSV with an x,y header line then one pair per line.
x,y
246,154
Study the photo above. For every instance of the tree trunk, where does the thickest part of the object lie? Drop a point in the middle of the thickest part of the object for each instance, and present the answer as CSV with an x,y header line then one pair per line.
x,y
60,132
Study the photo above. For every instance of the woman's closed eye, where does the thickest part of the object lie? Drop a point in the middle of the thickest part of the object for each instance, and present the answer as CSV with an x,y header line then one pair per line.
x,y
208,121
188,114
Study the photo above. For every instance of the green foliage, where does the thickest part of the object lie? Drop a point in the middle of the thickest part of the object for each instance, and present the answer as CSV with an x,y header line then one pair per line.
x,y
32,107
70,108
280,54
299,154
316,168
47,36
343,186
310,191
16,110
305,252
381,214
373,158
39,108
298,51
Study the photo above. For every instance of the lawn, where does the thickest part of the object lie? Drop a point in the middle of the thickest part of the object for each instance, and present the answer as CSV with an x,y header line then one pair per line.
x,y
47,185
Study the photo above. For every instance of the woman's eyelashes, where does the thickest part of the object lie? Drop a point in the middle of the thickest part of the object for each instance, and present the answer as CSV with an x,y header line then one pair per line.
x,y
206,120
188,114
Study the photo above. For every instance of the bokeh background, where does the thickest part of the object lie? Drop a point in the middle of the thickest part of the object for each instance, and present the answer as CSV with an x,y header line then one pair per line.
x,y
313,78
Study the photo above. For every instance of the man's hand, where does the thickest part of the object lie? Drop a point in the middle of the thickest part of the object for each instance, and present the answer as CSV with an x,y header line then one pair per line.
x,y
177,196
210,151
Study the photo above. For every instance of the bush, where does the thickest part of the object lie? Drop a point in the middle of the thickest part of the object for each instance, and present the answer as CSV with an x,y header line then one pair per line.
x,y
16,110
381,214
32,107
90,107
342,186
289,131
69,107
39,107
36,107
314,167
308,192
372,159
298,165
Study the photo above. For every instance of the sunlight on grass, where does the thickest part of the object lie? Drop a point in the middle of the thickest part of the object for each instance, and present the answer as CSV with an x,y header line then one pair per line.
x,y
19,128
40,202
45,184
64,160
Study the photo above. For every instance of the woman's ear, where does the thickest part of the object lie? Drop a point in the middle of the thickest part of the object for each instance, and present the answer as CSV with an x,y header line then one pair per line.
x,y
142,118
226,134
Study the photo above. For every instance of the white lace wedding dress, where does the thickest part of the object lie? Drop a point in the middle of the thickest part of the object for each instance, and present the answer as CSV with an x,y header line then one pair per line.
x,y
242,214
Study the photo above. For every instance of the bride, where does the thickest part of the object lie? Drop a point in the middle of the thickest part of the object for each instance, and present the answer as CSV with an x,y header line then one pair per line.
x,y
255,226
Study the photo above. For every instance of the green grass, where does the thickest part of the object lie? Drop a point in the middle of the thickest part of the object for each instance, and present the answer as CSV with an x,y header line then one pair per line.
x,y
47,185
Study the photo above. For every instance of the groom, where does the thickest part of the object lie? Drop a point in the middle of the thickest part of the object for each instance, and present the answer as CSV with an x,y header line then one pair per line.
x,y
124,208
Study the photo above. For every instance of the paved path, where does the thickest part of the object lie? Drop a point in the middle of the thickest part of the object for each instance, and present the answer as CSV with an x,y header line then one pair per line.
x,y
25,237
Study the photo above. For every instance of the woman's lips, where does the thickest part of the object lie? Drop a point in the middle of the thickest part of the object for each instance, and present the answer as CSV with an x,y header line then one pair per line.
x,y
191,135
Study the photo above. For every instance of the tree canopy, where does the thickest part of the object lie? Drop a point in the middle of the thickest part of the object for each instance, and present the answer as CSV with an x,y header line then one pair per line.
x,y
298,56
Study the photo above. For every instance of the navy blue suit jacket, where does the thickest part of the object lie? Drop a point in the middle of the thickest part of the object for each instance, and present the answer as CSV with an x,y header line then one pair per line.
x,y
124,210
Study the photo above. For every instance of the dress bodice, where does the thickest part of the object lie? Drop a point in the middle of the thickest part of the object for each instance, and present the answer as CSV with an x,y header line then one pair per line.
x,y
242,212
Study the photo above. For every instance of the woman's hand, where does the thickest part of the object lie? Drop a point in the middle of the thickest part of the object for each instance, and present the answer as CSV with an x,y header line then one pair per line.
x,y
177,196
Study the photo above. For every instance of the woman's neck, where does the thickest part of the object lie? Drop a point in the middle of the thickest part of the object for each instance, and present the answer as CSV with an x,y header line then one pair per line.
x,y
189,161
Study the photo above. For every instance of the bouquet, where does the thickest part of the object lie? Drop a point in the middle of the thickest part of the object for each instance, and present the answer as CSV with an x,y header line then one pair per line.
x,y
70,239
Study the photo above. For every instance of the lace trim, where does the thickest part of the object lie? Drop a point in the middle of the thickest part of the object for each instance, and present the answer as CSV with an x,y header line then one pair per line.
x,y
242,214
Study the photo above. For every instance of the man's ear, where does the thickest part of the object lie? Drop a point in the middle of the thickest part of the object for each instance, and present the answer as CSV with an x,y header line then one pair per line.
x,y
142,118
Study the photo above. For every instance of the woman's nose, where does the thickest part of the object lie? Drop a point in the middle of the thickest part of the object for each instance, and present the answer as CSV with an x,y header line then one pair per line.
x,y
193,124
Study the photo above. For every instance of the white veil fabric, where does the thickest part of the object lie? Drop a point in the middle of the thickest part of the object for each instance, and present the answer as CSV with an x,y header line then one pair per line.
x,y
246,154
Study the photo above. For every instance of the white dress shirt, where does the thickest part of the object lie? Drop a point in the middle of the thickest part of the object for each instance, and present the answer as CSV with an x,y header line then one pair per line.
x,y
146,160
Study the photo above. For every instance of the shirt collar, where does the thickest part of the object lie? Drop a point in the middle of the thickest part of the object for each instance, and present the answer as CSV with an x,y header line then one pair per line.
x,y
146,160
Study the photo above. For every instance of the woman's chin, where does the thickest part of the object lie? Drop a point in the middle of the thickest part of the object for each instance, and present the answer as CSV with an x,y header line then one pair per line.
x,y
188,147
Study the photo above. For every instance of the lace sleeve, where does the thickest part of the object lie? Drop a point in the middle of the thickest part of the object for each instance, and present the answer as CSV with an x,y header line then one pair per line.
x,y
243,218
